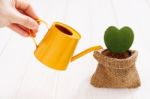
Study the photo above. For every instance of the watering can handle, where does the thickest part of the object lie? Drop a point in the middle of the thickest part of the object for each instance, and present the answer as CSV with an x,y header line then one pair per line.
x,y
39,21
86,52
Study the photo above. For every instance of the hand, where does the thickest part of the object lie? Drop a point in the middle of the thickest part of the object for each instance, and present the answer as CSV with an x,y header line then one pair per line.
x,y
19,16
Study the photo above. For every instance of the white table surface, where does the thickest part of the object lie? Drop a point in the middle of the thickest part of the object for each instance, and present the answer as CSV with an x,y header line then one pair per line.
x,y
23,77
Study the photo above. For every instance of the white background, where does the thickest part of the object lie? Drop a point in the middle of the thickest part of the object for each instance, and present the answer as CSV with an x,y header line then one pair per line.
x,y
23,77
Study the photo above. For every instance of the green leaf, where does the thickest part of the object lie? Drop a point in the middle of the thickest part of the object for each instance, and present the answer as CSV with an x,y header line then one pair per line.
x,y
118,41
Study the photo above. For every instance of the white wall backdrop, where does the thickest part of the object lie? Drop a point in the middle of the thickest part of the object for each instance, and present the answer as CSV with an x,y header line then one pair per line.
x,y
23,77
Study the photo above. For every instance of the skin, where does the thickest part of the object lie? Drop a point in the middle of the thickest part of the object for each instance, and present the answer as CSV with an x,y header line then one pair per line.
x,y
20,17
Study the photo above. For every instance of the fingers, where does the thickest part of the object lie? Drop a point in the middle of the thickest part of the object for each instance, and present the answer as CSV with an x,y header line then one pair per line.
x,y
19,30
30,32
26,21
23,18
22,30
26,8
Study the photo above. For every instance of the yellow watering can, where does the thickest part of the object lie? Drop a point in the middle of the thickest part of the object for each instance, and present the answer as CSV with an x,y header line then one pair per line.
x,y
57,47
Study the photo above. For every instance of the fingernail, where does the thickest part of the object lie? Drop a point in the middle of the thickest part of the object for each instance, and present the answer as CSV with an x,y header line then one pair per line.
x,y
26,35
33,26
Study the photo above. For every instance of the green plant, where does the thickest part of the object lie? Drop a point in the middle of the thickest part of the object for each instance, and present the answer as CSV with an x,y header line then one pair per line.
x,y
118,40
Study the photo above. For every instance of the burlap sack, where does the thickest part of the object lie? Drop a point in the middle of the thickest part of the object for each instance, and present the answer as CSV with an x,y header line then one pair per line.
x,y
115,73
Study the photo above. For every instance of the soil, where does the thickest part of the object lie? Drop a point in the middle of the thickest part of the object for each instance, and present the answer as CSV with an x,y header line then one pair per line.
x,y
117,55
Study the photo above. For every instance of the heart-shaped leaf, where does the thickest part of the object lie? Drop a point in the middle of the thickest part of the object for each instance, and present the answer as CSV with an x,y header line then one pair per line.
x,y
118,41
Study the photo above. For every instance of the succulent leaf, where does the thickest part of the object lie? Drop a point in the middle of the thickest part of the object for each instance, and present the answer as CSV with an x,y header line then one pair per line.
x,y
118,40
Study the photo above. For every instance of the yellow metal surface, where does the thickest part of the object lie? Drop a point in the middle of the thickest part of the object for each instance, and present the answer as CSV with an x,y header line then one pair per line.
x,y
86,52
57,47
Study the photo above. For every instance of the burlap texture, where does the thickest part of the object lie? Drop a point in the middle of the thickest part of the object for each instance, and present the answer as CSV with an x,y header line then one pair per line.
x,y
115,73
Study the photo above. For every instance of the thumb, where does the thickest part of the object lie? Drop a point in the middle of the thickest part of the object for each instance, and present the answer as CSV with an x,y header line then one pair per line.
x,y
24,20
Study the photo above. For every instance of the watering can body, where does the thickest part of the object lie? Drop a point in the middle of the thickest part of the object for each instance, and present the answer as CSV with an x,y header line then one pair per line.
x,y
57,47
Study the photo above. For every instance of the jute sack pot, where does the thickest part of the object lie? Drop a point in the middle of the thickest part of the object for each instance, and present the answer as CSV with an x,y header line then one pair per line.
x,y
115,73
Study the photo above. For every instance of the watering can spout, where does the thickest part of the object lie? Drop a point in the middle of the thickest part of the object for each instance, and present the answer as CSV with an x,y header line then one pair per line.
x,y
85,52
